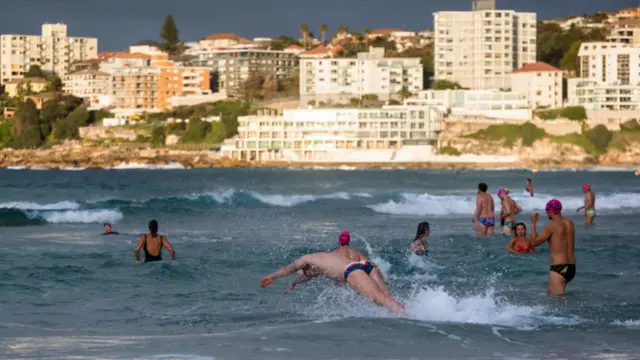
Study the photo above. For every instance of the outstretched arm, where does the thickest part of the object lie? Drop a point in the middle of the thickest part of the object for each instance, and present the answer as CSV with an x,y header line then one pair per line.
x,y
301,279
285,271
167,244
138,248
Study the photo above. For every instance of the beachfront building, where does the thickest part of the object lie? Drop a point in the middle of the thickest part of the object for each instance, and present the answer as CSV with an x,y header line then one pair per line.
x,y
338,80
391,133
89,84
608,79
233,59
626,31
53,52
30,85
480,49
542,82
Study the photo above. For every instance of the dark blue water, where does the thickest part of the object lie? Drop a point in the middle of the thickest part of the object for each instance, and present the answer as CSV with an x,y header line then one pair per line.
x,y
68,292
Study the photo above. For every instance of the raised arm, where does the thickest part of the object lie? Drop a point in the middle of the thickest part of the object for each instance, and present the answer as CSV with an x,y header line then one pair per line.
x,y
167,244
138,248
285,271
541,238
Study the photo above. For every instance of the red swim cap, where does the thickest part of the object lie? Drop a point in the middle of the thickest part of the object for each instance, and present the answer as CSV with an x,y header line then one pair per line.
x,y
554,206
344,238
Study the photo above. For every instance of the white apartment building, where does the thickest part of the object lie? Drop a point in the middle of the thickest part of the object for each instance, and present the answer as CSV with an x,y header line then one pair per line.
x,y
541,82
90,85
609,77
476,104
479,49
392,133
53,51
338,80
625,35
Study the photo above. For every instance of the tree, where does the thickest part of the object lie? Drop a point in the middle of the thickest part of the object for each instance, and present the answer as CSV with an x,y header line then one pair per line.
x,y
446,85
49,115
600,137
172,44
269,86
252,87
366,33
282,42
196,131
68,127
304,29
323,31
34,72
26,126
158,136
54,83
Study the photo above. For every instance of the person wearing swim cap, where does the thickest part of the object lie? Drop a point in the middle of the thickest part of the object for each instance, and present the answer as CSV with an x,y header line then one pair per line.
x,y
350,253
339,268
509,210
589,204
560,233
152,243
484,220
520,243
420,245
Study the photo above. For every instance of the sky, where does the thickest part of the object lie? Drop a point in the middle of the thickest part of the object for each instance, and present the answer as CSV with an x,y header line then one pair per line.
x,y
120,23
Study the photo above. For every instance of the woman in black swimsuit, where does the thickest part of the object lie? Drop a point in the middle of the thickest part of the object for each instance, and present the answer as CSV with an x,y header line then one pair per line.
x,y
157,243
420,245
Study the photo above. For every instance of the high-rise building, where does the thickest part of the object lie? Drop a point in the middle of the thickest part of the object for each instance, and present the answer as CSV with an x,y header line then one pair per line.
x,y
480,49
342,79
608,77
479,5
53,52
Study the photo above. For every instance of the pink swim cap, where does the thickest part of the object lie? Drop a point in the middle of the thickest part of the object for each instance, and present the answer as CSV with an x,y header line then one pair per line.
x,y
554,206
586,186
503,191
344,238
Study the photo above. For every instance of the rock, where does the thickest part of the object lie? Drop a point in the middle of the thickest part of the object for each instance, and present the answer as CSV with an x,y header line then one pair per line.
x,y
171,140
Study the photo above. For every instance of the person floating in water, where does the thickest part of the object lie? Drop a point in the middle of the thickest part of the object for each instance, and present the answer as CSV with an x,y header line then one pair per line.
x,y
333,266
420,244
344,250
560,233
521,243
484,214
529,183
108,230
152,244
589,204
509,210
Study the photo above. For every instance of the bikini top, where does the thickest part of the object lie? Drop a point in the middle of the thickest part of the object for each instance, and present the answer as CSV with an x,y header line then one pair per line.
x,y
523,249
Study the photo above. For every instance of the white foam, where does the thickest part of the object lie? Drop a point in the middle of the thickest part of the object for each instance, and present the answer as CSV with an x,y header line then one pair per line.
x,y
426,204
136,166
16,168
293,200
20,205
439,306
72,168
180,357
78,216
632,324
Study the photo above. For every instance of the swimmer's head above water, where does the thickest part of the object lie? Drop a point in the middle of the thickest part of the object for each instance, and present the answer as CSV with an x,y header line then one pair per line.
x,y
520,230
344,239
423,230
153,227
586,187
554,207
482,187
503,192
107,228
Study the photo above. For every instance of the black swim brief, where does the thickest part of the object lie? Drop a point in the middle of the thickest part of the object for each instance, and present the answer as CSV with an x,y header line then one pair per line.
x,y
422,252
568,271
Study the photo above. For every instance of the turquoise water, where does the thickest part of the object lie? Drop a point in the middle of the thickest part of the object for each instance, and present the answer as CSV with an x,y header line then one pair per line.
x,y
67,292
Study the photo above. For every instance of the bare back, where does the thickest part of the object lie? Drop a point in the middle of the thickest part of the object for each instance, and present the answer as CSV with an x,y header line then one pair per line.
x,y
350,253
562,241
330,265
153,244
486,205
589,200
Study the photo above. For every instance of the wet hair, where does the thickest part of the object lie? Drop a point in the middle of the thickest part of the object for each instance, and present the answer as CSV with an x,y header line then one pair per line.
x,y
423,228
483,187
529,179
520,224
153,227
106,224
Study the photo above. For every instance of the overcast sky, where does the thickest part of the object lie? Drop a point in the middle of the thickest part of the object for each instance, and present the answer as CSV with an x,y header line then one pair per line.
x,y
119,23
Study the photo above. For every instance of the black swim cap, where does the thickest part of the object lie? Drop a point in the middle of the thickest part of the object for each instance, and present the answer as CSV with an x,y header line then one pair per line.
x,y
153,227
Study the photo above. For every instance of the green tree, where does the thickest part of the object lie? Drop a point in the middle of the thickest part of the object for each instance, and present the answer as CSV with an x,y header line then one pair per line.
x,y
282,42
570,61
68,127
171,37
196,132
600,137
304,29
404,93
269,86
96,116
446,85
54,83
158,136
577,113
49,115
5,132
323,31
34,72
26,126
252,87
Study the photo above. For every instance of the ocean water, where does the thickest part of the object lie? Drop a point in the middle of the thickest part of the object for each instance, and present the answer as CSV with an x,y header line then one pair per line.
x,y
68,292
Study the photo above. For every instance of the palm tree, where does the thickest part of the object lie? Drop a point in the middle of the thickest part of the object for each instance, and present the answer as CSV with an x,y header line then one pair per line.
x,y
323,30
367,32
304,28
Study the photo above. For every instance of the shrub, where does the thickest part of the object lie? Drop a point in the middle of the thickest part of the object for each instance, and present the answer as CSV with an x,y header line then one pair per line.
x,y
5,132
449,150
600,137
158,136
577,139
577,113
196,131
631,125
510,134
530,134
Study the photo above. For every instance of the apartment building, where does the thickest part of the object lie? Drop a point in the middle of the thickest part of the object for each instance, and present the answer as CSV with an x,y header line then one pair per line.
x,y
609,77
626,31
476,104
383,134
53,51
89,84
338,80
480,49
541,82
233,59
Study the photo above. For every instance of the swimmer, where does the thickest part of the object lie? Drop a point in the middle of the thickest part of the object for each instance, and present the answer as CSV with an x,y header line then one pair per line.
x,y
484,214
589,205
152,244
529,183
420,244
350,253
560,233
341,269
509,210
521,243
108,230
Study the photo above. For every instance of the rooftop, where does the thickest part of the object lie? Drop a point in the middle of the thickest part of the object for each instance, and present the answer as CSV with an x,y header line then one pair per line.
x,y
89,72
227,36
536,67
